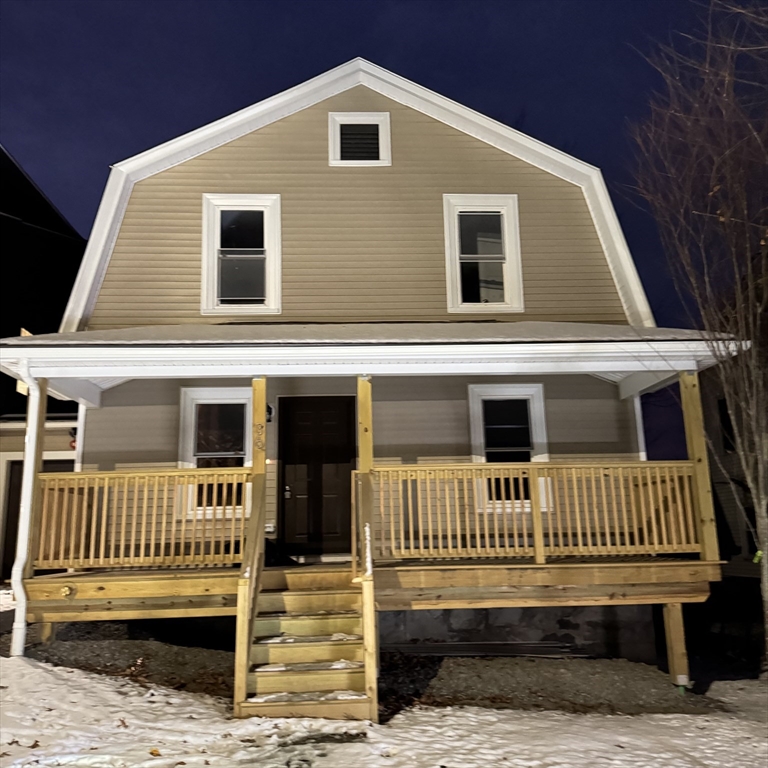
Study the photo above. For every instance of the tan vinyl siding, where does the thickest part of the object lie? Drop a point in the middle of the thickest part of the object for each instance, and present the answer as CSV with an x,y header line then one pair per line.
x,y
416,420
358,243
54,439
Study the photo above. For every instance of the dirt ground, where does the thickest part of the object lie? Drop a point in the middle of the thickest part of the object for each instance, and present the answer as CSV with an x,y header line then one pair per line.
x,y
568,685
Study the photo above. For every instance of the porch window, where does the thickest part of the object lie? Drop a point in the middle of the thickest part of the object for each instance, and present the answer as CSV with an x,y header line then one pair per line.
x,y
215,434
359,139
482,253
241,254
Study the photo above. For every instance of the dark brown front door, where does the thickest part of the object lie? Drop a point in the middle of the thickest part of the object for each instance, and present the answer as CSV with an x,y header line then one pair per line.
x,y
316,450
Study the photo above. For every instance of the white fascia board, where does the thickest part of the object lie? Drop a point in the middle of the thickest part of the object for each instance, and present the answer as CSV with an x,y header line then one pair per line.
x,y
351,360
356,72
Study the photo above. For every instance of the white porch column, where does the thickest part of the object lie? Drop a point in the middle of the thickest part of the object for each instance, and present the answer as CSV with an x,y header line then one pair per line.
x,y
33,456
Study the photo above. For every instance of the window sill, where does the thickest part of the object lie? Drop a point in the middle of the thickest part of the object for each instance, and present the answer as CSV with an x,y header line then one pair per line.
x,y
241,309
477,309
358,163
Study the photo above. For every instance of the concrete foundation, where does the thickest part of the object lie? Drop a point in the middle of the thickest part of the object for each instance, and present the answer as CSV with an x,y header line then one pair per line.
x,y
625,631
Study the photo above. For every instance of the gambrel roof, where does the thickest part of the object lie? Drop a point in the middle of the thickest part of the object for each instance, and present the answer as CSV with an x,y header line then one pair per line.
x,y
354,73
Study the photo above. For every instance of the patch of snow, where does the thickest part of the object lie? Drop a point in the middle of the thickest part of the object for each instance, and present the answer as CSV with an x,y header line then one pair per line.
x,y
7,603
307,696
55,716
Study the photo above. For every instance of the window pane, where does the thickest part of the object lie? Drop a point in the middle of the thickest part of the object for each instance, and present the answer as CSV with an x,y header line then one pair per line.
x,y
507,456
242,280
507,425
506,412
215,462
482,282
220,428
359,141
507,437
242,229
480,234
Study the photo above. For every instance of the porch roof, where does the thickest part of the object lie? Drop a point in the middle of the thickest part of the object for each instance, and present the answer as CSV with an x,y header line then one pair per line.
x,y
265,334
80,365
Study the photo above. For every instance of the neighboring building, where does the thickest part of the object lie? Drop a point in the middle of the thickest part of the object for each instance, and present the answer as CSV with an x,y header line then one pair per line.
x,y
33,232
58,456
404,341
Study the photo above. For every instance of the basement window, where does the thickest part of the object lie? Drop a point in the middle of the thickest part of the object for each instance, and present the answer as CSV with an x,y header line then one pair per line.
x,y
241,254
359,139
482,242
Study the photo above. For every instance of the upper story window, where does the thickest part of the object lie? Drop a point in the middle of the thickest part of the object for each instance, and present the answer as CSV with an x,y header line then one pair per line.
x,y
482,249
241,254
359,139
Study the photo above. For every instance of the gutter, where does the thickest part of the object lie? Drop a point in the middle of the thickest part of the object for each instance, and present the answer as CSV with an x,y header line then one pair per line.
x,y
31,452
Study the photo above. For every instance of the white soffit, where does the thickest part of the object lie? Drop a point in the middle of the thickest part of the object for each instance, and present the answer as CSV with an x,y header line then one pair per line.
x,y
356,72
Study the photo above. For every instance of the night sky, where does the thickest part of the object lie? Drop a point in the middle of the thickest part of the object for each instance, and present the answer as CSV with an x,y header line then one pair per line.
x,y
87,83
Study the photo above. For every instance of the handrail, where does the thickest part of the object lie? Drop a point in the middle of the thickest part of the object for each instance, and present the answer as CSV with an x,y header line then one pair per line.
x,y
533,509
248,587
140,518
370,631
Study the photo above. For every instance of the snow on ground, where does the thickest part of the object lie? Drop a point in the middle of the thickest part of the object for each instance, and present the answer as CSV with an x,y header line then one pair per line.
x,y
7,603
54,716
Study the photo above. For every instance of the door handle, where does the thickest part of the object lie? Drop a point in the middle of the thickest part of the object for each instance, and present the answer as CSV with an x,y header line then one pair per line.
x,y
287,492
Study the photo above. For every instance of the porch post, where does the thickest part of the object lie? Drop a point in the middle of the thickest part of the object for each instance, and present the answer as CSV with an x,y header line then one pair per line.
x,y
33,458
259,439
364,453
693,417
677,656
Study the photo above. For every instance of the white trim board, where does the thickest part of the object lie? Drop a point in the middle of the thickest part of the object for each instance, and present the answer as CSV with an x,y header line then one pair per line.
x,y
644,364
356,72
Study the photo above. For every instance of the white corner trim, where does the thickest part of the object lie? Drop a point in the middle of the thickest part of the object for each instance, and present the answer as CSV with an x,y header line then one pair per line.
x,y
192,396
337,119
213,204
534,393
356,72
506,205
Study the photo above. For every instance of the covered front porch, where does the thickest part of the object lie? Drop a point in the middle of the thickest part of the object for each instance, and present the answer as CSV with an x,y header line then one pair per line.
x,y
479,467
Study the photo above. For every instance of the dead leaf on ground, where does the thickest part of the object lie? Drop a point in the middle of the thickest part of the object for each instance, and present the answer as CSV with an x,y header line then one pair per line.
x,y
122,723
155,752
34,745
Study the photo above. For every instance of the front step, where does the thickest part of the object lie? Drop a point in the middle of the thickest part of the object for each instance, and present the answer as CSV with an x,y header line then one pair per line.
x,y
309,601
353,706
308,624
307,654
307,677
291,649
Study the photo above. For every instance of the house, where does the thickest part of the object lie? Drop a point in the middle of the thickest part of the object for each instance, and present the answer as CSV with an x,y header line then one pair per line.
x,y
403,341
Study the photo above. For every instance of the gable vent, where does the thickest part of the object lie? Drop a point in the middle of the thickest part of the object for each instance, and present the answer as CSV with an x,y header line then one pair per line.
x,y
359,141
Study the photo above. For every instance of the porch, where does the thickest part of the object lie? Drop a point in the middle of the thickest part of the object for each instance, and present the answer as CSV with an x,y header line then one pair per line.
x,y
431,520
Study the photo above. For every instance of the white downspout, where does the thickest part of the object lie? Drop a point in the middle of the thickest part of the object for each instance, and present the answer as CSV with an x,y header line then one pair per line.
x,y
642,450
32,453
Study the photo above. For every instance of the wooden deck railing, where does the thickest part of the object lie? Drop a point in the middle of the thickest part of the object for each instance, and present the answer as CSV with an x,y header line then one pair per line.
x,y
142,518
532,510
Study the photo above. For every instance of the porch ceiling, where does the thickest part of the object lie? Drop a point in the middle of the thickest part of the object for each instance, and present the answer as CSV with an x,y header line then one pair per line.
x,y
81,365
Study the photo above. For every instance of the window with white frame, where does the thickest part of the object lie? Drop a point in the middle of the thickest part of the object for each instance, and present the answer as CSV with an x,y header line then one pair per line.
x,y
508,424
215,427
359,139
241,254
482,250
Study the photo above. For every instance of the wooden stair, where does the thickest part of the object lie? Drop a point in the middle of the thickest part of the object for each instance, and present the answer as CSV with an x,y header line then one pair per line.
x,y
307,654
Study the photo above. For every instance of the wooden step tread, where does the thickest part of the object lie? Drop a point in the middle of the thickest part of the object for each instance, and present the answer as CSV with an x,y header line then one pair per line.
x,y
307,666
312,592
305,614
338,637
306,696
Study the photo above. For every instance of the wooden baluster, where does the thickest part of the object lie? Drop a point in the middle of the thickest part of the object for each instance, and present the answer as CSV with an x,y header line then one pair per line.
x,y
674,510
439,503
686,478
457,512
492,509
536,519
45,521
610,545
522,542
568,514
662,522
410,478
428,498
507,504
105,510
577,511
